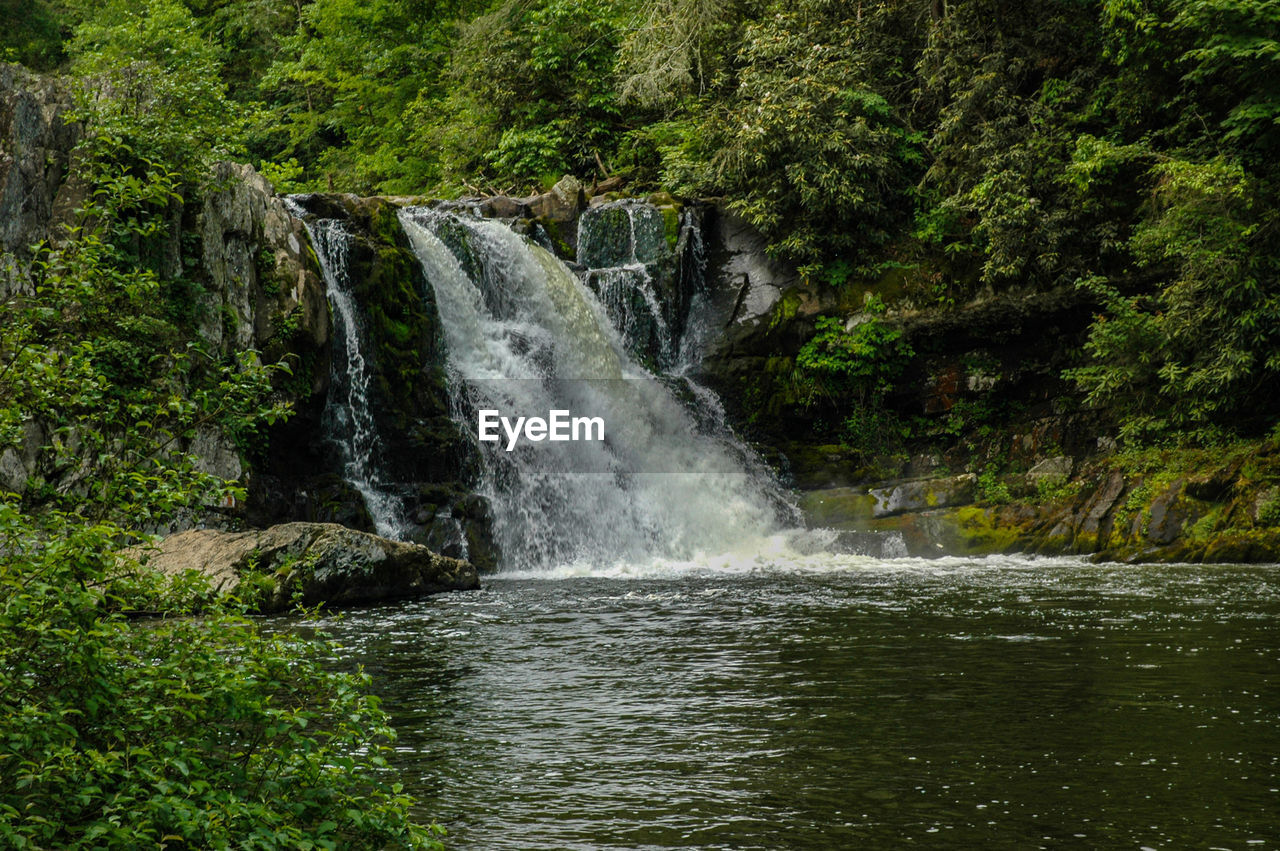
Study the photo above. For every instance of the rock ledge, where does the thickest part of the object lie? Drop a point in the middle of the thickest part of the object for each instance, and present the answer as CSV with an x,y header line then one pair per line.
x,y
311,563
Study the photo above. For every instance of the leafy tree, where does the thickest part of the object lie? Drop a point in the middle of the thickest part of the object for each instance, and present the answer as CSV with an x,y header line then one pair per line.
x,y
153,80
116,733
535,91
1197,354
671,51
1005,88
31,35
808,150
348,86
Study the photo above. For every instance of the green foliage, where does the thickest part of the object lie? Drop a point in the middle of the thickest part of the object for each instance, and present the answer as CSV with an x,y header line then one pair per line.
x,y
152,80
808,151
30,35
348,89
1004,87
991,489
535,91
116,733
195,729
873,429
1193,354
1050,489
863,361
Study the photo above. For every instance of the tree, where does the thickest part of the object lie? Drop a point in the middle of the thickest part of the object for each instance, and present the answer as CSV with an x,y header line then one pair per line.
x,y
809,151
152,79
195,728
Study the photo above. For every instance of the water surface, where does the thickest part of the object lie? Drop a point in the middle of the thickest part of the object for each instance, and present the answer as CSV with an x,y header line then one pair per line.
x,y
840,703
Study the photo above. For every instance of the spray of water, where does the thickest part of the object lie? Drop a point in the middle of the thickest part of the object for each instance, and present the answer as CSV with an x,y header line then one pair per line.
x,y
524,334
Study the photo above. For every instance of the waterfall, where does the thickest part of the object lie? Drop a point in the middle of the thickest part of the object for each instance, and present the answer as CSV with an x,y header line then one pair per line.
x,y
622,244
348,419
526,336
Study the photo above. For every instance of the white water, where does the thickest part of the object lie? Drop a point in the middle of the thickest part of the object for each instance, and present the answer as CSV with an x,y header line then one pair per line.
x,y
669,485
616,286
348,419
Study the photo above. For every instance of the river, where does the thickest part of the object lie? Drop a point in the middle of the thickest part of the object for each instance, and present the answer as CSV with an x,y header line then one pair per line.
x,y
839,702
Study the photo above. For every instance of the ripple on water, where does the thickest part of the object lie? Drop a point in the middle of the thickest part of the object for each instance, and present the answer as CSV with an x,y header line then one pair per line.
x,y
839,702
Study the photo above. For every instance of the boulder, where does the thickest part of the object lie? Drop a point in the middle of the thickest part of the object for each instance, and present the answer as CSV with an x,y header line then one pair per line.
x,y
561,204
311,563
503,207
924,495
1050,469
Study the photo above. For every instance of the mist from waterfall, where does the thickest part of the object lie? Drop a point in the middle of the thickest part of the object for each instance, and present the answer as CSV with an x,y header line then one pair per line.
x,y
524,334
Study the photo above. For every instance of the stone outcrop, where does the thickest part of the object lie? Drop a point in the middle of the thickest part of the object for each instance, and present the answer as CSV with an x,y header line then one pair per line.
x,y
310,564
1228,511
263,288
922,495
38,190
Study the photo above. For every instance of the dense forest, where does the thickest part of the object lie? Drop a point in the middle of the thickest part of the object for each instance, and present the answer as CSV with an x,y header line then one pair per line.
x,y
1125,149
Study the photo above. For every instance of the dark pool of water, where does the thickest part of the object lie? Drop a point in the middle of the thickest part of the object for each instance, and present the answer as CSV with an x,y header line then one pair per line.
x,y
997,704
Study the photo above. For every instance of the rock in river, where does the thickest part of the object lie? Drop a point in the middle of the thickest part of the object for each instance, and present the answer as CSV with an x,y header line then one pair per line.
x,y
312,563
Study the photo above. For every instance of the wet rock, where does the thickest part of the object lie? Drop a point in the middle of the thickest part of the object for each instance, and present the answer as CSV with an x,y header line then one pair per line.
x,y
562,204
503,207
924,495
924,465
838,508
1216,485
1168,516
741,266
1095,521
311,564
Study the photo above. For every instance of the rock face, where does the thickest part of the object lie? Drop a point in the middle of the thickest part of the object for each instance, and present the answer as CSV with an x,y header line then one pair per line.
x,y
742,268
261,280
1050,469
37,189
924,495
311,564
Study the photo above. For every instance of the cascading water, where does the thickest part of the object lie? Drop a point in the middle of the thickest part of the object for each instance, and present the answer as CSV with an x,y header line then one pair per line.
x,y
525,335
348,419
619,243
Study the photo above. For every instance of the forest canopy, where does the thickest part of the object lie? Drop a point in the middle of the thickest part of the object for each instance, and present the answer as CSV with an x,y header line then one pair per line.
x,y
1123,148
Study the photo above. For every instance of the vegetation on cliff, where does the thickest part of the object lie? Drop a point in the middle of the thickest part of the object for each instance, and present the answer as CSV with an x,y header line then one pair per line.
x,y
137,709
1124,147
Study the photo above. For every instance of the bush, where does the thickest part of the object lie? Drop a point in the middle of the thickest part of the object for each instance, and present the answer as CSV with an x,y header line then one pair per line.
x,y
123,732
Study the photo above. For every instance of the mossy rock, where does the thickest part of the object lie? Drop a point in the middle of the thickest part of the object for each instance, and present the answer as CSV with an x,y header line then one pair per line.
x,y
979,532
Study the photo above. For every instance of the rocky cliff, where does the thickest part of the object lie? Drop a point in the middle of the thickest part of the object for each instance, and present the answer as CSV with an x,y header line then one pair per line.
x,y
980,444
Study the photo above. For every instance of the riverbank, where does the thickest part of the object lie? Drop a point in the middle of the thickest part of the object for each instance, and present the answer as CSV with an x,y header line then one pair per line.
x,y
1152,505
